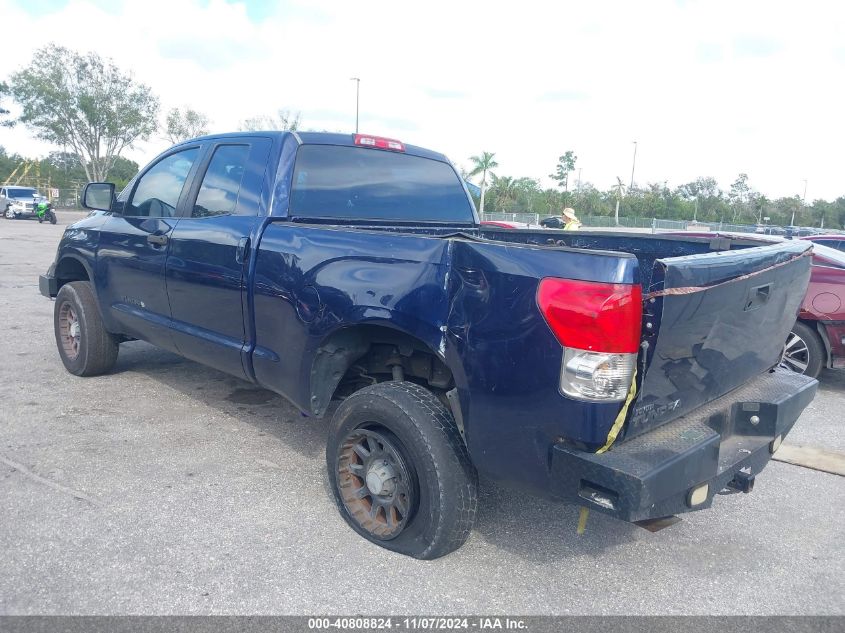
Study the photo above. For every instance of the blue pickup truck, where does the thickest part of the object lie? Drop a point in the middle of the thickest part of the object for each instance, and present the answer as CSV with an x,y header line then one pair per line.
x,y
628,373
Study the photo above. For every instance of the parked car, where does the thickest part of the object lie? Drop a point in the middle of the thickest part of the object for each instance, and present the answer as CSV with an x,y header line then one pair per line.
x,y
506,224
775,230
628,373
817,339
821,322
831,241
553,222
17,201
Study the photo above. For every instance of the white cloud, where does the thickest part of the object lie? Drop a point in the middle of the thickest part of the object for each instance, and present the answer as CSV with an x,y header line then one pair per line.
x,y
706,88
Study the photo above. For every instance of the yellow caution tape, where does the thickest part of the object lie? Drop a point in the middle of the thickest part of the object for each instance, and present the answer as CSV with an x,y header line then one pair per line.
x,y
620,419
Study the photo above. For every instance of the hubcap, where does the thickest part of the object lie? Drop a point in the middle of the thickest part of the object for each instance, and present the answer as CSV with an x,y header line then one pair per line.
x,y
796,354
70,331
381,479
376,484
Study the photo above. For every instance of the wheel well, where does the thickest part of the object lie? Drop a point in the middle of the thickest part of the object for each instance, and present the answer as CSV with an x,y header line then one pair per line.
x,y
819,330
70,269
355,357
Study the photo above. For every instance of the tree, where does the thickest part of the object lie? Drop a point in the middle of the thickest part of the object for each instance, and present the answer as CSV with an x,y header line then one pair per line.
x,y
484,164
85,104
123,171
708,200
505,191
739,195
183,125
282,120
5,120
565,165
619,187
788,209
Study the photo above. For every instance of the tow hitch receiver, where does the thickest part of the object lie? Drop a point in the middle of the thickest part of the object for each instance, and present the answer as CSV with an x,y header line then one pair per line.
x,y
742,482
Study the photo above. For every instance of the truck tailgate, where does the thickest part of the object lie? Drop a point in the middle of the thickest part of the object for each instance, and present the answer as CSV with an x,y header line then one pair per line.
x,y
712,322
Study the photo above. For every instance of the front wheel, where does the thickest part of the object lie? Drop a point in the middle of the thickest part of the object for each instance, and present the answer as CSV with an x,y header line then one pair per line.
x,y
52,218
85,347
803,351
400,472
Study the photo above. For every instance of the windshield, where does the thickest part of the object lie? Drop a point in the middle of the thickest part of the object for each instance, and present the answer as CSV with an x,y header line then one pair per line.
x,y
20,192
333,181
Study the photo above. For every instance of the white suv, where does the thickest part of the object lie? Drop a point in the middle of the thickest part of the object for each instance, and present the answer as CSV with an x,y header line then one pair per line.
x,y
17,201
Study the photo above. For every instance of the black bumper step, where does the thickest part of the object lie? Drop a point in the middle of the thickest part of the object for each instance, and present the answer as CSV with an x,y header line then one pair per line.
x,y
727,441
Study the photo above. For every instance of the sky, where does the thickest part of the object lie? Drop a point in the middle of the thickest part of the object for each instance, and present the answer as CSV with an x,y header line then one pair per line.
x,y
705,88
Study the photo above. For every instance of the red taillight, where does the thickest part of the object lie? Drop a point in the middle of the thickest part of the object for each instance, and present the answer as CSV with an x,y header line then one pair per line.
x,y
379,142
592,316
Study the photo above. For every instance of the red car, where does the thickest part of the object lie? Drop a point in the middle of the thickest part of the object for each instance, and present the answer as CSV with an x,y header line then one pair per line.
x,y
833,241
818,338
506,224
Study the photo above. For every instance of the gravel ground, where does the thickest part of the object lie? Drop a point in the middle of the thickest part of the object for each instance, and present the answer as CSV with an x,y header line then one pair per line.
x,y
166,487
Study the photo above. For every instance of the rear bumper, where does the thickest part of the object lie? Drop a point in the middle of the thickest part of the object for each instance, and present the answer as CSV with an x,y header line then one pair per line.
x,y
48,286
723,444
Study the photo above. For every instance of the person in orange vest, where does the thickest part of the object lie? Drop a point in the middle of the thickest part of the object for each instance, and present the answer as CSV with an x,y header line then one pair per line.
x,y
572,222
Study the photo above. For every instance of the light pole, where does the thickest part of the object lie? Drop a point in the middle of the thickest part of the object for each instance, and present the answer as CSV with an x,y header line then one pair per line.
x,y
633,167
357,81
803,203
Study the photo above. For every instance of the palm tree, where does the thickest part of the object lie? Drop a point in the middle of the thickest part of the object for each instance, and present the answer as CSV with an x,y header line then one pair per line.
x,y
483,165
620,191
505,190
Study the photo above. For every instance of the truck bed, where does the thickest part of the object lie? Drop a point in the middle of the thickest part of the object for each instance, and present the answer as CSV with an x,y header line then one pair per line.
x,y
471,296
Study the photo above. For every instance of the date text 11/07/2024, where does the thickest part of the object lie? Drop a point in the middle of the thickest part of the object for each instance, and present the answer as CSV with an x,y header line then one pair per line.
x,y
418,623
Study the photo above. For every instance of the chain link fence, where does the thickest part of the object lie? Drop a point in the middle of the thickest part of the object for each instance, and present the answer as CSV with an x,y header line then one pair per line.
x,y
65,199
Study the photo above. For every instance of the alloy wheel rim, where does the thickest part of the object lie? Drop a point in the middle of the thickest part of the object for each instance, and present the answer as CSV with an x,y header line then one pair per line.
x,y
796,354
376,484
70,331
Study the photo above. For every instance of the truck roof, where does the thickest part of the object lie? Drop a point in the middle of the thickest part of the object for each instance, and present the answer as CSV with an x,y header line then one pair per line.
x,y
322,138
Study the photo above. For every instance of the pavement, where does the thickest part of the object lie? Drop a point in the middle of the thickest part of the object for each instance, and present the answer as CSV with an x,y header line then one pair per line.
x,y
168,488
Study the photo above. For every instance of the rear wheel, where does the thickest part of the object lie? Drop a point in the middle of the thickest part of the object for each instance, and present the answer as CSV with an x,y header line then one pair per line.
x,y
400,472
85,347
803,351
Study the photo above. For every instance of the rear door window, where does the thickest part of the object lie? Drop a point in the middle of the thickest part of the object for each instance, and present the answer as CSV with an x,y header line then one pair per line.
x,y
331,181
221,184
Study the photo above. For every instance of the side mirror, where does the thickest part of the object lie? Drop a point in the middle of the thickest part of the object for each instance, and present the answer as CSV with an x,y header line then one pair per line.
x,y
98,196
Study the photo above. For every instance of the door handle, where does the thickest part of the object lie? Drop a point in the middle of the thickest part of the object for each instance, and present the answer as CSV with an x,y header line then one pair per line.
x,y
161,240
758,296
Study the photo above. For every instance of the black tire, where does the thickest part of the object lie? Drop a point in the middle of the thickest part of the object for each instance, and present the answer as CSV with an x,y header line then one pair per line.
x,y
52,218
434,468
40,219
86,349
803,351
